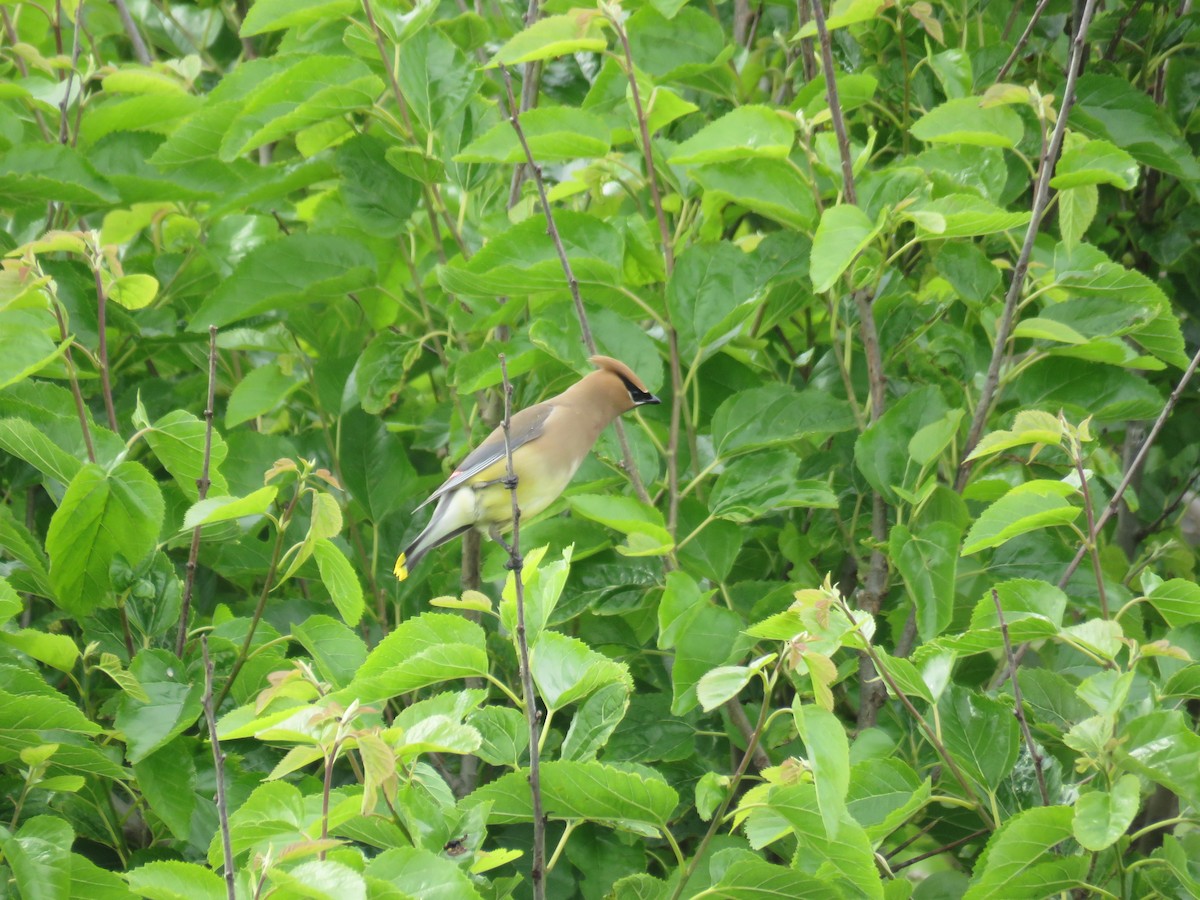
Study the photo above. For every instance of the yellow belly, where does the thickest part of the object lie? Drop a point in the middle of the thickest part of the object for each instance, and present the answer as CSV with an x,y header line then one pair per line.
x,y
535,491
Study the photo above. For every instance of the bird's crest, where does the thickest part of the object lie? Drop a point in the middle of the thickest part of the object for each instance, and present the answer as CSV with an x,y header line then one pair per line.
x,y
619,369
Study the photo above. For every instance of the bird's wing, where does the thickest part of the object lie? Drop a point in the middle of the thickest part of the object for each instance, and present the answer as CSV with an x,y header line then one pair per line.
x,y
527,425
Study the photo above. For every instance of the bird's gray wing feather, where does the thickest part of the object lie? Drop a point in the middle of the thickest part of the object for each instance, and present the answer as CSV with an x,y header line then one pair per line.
x,y
527,425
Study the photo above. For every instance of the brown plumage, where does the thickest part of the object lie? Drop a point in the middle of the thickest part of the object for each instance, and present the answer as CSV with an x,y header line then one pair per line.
x,y
549,442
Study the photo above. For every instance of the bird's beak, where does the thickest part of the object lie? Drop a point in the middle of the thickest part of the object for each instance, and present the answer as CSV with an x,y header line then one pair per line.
x,y
650,400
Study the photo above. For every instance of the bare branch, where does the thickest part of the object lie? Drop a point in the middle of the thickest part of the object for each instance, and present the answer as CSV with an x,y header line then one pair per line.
x,y
514,118
210,717
537,872
131,30
1018,709
1136,465
1041,197
1023,39
202,485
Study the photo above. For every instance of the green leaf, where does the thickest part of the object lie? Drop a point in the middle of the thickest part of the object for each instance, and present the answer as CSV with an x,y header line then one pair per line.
x,y
928,562
981,733
1029,427
431,648
102,514
552,132
25,441
844,232
59,651
829,757
225,509
591,791
882,451
340,580
420,873
644,528
135,291
776,414
1027,507
437,81
753,486
174,880
1161,746
965,121
1111,108
274,15
746,132
754,879
173,706
1019,860
35,173
259,392
167,779
578,31
721,685
39,856
178,439
1076,210
286,273
566,671
337,651
1177,601
1102,817
594,721
769,187
1095,162
843,13
378,195
963,215
24,347
710,295
884,793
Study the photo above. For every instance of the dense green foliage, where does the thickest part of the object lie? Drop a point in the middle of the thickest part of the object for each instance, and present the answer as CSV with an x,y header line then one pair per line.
x,y
334,193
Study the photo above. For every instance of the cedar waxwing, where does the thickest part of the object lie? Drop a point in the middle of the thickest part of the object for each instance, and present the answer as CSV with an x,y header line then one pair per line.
x,y
548,443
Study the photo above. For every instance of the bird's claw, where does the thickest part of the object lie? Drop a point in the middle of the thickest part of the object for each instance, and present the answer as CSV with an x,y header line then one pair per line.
x,y
514,563
510,482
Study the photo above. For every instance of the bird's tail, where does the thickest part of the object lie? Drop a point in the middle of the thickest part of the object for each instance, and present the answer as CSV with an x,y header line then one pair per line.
x,y
446,524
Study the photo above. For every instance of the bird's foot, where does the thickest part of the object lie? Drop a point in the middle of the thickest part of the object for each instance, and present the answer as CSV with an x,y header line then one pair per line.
x,y
510,482
514,563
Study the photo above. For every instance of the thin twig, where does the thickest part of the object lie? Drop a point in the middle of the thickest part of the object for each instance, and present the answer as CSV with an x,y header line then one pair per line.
x,y
202,485
930,734
210,716
276,552
515,563
940,850
11,33
1023,39
531,77
1121,26
1169,510
875,584
1041,197
808,59
1092,536
64,129
1137,463
514,119
1013,12
131,30
102,347
1018,707
73,378
734,782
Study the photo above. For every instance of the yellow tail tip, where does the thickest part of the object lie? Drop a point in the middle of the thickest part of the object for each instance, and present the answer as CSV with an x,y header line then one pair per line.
x,y
401,570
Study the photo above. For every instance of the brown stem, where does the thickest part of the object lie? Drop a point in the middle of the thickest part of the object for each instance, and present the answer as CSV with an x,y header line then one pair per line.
x,y
1023,39
202,485
1121,26
219,766
73,377
64,129
276,552
531,77
11,33
1091,535
1018,707
131,30
102,330
1013,12
808,60
515,563
734,782
1169,509
742,723
1041,196
930,734
940,850
514,119
1137,463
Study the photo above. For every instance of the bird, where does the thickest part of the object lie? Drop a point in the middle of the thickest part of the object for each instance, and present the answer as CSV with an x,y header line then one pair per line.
x,y
548,440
